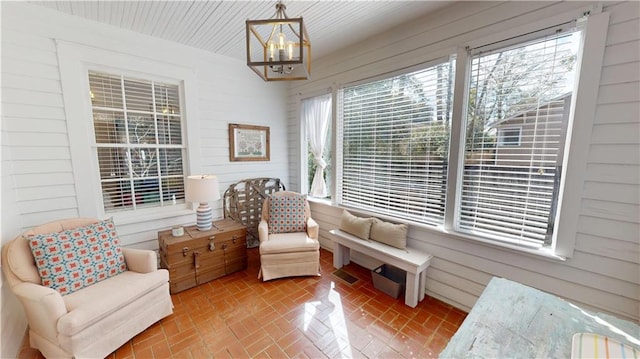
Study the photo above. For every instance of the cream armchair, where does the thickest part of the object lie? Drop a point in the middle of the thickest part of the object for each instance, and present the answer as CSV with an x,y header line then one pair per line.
x,y
93,321
288,254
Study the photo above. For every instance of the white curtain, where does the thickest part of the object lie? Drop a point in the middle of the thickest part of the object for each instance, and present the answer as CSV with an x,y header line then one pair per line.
x,y
316,114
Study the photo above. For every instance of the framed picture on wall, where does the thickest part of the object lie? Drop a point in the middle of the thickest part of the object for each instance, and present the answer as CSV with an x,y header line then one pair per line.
x,y
248,143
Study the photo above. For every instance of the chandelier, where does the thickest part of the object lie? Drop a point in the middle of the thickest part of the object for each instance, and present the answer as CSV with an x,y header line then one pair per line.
x,y
278,49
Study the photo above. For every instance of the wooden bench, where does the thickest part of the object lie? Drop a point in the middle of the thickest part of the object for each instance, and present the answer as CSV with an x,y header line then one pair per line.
x,y
411,260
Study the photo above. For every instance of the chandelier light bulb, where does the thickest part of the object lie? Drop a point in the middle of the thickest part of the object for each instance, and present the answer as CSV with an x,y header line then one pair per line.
x,y
272,50
290,49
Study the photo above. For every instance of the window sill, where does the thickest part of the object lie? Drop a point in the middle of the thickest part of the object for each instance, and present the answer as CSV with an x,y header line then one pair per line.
x,y
544,252
539,251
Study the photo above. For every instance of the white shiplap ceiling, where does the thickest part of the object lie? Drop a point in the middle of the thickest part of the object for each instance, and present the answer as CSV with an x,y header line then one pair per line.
x,y
219,26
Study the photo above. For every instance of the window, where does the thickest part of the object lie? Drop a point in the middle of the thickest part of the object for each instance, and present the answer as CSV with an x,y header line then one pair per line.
x,y
395,140
395,134
138,139
509,192
492,164
509,136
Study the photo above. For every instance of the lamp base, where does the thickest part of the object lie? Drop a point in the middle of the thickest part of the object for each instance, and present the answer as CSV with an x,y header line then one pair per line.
x,y
204,217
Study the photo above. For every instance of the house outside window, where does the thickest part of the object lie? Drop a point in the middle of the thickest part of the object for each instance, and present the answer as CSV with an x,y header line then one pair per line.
x,y
395,140
509,136
138,141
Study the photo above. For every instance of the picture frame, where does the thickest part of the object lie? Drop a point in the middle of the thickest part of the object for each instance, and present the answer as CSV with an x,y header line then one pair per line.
x,y
248,143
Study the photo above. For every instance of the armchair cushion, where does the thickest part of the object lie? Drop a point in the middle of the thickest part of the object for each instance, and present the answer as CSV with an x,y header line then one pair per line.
x,y
289,243
95,303
76,258
287,214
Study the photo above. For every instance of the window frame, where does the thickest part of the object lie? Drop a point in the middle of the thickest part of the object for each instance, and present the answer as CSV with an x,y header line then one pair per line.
x,y
583,105
75,62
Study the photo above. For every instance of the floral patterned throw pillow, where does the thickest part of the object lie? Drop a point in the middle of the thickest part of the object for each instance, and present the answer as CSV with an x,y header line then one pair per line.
x,y
73,259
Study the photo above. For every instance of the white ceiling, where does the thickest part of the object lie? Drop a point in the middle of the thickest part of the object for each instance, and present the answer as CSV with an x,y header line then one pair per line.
x,y
219,26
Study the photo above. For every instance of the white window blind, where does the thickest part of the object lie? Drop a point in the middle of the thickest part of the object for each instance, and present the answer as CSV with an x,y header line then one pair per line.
x,y
516,128
395,139
138,139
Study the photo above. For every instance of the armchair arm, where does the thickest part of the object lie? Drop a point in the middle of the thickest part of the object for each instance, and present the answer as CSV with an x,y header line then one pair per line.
x,y
312,228
140,260
43,307
263,231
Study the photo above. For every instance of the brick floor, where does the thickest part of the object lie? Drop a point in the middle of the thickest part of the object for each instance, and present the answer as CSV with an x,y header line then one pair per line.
x,y
238,316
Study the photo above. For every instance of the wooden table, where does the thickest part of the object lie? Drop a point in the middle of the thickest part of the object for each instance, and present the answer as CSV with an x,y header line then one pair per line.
x,y
511,320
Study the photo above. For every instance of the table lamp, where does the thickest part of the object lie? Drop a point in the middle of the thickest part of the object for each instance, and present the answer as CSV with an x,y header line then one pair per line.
x,y
203,189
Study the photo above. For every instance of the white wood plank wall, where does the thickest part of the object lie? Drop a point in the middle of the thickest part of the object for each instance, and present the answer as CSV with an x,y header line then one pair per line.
x,y
37,177
35,140
34,129
603,273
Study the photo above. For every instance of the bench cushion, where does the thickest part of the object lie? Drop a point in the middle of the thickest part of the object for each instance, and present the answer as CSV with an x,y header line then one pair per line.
x,y
358,226
389,233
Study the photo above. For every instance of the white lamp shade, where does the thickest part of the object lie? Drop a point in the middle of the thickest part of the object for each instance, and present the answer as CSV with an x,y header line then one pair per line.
x,y
202,189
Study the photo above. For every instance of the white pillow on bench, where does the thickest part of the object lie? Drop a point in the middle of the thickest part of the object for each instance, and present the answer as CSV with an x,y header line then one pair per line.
x,y
358,226
374,229
389,233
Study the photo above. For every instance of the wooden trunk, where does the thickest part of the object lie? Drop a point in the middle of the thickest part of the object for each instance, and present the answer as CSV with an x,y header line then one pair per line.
x,y
200,256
